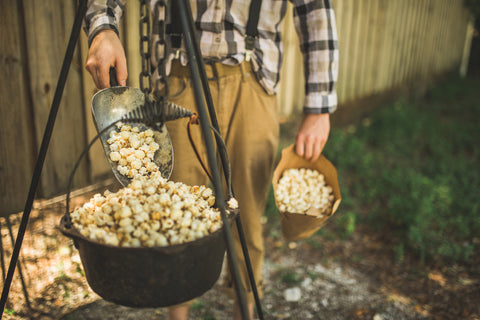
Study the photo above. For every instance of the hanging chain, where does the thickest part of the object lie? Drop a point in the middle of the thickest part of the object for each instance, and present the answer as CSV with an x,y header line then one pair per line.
x,y
161,46
145,52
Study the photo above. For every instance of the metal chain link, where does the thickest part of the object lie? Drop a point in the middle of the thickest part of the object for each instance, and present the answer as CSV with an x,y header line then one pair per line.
x,y
161,45
145,52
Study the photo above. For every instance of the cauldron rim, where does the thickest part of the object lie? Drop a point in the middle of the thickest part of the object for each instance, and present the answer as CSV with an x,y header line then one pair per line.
x,y
74,234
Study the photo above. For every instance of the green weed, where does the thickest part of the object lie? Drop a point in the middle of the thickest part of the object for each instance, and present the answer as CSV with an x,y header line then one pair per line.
x,y
198,305
411,170
290,277
9,312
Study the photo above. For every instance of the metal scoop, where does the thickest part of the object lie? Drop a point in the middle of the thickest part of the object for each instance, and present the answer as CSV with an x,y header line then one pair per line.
x,y
112,104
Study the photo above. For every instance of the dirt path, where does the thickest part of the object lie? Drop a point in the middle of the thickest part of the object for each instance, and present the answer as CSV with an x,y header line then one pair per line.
x,y
353,278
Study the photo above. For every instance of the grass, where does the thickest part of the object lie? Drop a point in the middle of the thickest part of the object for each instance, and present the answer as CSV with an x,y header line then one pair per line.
x,y
9,312
412,171
290,277
201,306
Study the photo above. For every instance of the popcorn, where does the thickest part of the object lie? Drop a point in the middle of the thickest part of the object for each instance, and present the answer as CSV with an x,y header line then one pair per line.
x,y
150,211
232,203
300,190
133,150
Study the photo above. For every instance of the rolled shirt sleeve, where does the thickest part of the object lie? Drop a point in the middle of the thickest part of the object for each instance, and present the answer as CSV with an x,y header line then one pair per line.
x,y
101,15
315,25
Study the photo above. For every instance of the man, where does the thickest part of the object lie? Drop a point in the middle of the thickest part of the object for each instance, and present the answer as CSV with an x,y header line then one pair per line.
x,y
243,93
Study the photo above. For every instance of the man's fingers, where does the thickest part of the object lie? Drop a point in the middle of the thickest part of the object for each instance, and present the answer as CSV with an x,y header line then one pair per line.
x,y
122,73
309,145
310,148
99,77
312,136
105,52
103,78
317,150
299,146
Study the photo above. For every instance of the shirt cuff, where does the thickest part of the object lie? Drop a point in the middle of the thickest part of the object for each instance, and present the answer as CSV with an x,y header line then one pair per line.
x,y
320,103
98,26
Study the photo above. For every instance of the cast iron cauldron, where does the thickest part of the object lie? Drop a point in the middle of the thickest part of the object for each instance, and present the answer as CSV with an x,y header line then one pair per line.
x,y
150,277
146,277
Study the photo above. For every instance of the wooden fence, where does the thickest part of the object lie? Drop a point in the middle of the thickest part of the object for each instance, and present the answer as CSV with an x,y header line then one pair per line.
x,y
384,44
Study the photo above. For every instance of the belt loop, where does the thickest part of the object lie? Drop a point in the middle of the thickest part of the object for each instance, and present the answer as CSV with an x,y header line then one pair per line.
x,y
215,70
243,71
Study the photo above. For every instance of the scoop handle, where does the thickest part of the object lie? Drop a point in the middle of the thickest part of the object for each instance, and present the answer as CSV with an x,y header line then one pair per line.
x,y
113,77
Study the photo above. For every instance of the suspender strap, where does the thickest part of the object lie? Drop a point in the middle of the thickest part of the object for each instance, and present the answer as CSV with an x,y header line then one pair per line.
x,y
252,27
174,28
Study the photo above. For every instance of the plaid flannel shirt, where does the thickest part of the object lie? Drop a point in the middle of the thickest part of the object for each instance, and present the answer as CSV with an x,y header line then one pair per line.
x,y
221,26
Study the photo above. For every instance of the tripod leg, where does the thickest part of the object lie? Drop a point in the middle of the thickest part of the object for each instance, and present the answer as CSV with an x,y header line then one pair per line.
x,y
189,35
19,265
248,264
213,119
77,25
2,256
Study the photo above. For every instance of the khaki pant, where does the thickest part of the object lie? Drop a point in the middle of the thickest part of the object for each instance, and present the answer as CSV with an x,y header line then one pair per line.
x,y
248,123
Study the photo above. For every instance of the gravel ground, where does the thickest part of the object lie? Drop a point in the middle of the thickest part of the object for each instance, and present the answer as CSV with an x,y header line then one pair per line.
x,y
353,278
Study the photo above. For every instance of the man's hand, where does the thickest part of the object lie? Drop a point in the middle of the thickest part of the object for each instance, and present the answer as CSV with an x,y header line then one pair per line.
x,y
312,135
106,51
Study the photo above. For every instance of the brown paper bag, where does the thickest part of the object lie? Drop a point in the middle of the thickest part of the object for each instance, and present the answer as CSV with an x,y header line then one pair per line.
x,y
298,226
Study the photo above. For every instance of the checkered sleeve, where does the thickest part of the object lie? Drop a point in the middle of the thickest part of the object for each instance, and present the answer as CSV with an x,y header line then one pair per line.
x,y
101,15
315,26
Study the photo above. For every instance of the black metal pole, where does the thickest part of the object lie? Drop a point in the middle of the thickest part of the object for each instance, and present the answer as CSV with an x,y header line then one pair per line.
x,y
77,24
206,89
189,35
248,263
2,258
19,265
214,121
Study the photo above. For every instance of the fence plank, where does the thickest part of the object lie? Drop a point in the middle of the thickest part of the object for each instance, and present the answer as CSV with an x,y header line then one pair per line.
x,y
437,36
374,45
98,165
359,40
132,49
385,37
16,143
353,38
456,34
408,44
398,43
338,10
338,7
344,48
427,40
47,33
392,13
418,9
365,46
454,43
452,31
